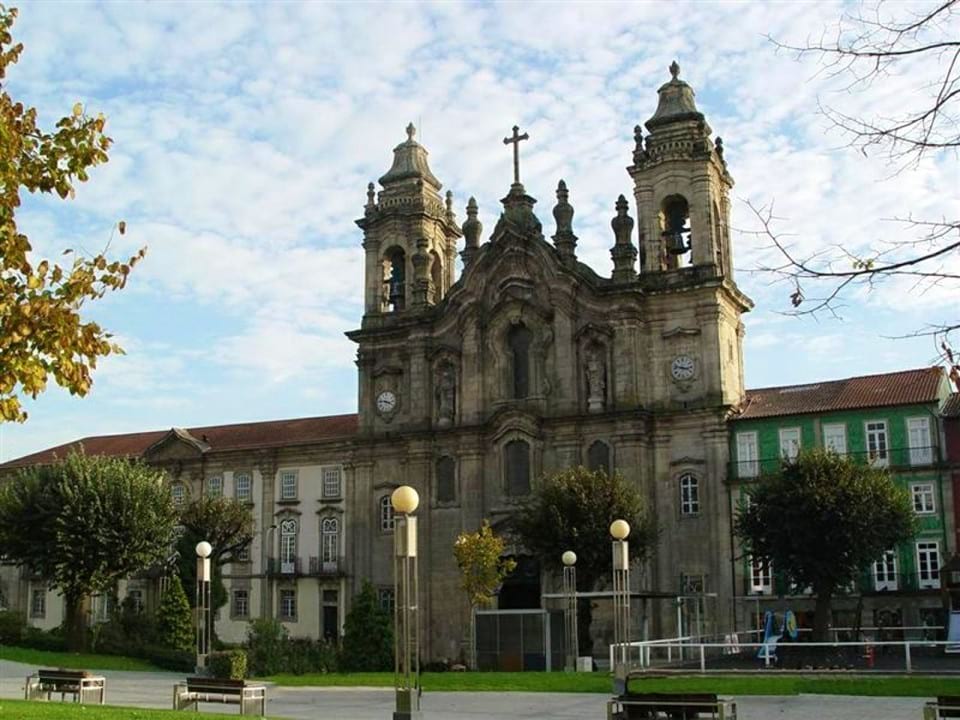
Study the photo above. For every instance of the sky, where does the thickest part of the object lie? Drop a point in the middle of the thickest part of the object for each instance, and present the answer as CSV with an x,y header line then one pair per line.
x,y
245,135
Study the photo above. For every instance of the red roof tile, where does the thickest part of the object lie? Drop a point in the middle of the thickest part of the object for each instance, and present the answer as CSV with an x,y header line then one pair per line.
x,y
243,436
908,387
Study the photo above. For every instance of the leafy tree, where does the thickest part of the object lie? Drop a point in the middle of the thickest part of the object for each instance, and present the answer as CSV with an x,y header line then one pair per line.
x,y
482,566
367,634
821,520
42,334
84,523
174,618
572,510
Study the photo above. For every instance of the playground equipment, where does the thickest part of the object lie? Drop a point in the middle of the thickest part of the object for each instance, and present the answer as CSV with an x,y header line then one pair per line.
x,y
773,632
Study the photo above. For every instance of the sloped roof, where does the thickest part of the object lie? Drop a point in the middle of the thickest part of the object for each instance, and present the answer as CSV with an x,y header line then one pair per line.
x,y
242,436
907,387
951,408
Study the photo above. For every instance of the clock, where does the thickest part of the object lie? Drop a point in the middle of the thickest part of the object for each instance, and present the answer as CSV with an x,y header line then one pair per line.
x,y
386,402
683,367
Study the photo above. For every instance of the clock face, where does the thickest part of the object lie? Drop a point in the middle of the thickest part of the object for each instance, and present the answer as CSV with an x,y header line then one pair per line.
x,y
682,367
386,402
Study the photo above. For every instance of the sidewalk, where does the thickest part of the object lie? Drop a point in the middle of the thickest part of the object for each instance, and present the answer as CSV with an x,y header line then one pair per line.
x,y
155,690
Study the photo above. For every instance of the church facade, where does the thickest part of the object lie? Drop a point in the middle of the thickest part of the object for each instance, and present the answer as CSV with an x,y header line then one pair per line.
x,y
473,387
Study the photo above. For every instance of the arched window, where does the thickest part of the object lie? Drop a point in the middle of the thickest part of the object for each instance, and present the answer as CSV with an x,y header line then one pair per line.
x,y
436,276
446,480
329,540
386,514
518,339
394,279
288,545
517,467
598,457
689,495
675,216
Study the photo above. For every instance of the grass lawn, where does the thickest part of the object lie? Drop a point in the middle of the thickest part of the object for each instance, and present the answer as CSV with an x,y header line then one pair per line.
x,y
80,661
34,710
600,683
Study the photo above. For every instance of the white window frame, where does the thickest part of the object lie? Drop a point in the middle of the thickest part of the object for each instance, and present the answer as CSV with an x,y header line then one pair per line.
x,y
761,577
289,528
289,480
925,493
689,485
243,495
835,437
38,602
877,441
234,597
921,453
179,494
329,541
243,555
331,481
135,595
790,445
385,508
748,455
291,612
215,486
932,579
885,572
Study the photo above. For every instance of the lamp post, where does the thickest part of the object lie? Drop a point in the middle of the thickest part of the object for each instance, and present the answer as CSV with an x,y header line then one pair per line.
x,y
204,630
570,643
619,530
406,608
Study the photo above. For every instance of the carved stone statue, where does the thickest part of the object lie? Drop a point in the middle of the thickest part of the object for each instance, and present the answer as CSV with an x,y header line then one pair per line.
x,y
596,380
446,395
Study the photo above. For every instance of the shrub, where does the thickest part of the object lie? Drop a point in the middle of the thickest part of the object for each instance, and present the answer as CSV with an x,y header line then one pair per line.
x,y
231,664
304,655
174,621
12,627
41,640
368,634
266,647
169,659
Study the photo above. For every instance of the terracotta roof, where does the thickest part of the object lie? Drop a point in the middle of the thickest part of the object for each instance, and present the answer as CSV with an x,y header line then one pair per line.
x,y
952,407
908,387
243,436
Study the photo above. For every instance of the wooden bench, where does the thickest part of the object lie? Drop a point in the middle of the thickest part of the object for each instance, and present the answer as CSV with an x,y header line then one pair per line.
x,y
674,706
194,690
945,706
78,683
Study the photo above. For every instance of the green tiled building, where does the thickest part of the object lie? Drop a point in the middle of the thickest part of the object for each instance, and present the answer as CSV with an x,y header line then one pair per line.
x,y
891,420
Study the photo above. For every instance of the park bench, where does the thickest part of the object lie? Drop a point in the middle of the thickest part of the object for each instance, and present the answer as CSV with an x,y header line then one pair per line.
x,y
77,683
671,706
945,706
252,699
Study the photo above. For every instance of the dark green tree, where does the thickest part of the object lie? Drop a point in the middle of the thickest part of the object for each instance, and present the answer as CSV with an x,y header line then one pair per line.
x,y
367,634
83,524
572,510
174,618
821,520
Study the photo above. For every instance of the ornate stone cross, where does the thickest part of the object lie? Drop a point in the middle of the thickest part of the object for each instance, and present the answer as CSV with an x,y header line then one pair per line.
x,y
515,141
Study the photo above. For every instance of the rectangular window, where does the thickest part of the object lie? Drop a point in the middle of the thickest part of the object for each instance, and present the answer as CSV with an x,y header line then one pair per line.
x,y
331,482
38,602
288,485
386,514
215,486
877,443
885,572
243,485
135,599
923,502
918,436
928,565
835,438
689,495
178,492
240,607
761,577
385,596
748,464
288,604
790,443
243,555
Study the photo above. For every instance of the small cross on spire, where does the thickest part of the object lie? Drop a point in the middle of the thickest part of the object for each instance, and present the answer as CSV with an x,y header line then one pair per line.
x,y
515,141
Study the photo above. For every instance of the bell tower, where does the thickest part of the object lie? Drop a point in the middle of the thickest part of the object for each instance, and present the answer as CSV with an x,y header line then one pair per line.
x,y
682,187
409,236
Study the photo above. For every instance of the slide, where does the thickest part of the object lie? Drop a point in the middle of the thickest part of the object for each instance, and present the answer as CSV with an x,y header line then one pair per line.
x,y
768,651
953,633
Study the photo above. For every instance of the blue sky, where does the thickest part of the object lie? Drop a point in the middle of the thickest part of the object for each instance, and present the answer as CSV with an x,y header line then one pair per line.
x,y
245,135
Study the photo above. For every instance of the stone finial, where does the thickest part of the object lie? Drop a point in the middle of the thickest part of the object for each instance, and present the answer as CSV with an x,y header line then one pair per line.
x,y
472,229
638,137
410,169
412,130
449,202
718,145
565,241
371,195
675,70
623,252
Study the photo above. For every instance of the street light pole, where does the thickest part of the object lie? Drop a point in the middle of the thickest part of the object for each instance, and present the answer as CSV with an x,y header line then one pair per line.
x,y
619,530
406,607
204,629
571,640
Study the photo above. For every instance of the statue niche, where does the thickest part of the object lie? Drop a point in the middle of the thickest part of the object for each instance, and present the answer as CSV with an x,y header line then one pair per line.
x,y
446,394
596,376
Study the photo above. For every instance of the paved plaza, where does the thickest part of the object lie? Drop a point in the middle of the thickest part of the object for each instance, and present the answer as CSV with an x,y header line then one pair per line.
x,y
155,690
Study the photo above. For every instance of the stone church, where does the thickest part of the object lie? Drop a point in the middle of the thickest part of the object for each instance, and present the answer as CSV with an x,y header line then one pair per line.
x,y
473,387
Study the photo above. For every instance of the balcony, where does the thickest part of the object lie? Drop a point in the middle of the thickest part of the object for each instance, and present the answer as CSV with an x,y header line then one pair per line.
x,y
894,458
284,568
327,568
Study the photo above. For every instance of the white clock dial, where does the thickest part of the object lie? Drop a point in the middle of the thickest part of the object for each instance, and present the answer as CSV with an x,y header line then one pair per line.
x,y
682,367
386,402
